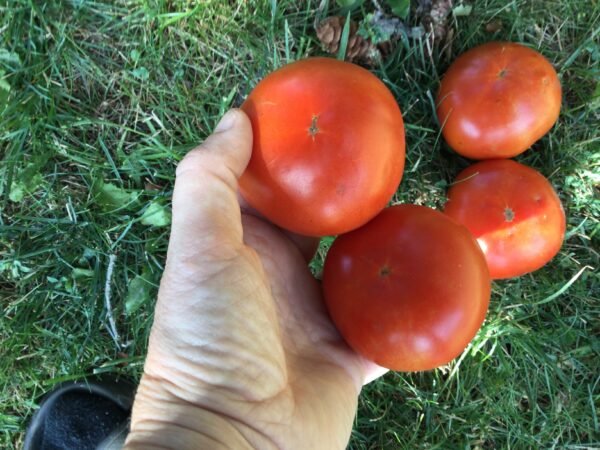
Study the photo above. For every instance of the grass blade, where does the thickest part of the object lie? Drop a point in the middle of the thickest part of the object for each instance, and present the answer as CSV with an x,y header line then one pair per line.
x,y
344,39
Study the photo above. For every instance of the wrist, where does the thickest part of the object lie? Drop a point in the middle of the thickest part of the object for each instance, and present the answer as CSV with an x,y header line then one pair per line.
x,y
161,420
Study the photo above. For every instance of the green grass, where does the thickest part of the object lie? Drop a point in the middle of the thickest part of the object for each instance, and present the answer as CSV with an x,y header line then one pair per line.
x,y
98,101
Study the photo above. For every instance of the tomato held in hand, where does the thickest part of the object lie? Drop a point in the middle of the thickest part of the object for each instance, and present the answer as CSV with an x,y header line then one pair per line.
x,y
408,290
497,99
513,212
328,148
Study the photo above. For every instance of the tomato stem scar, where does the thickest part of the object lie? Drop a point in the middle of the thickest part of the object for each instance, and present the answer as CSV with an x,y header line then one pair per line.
x,y
384,271
509,214
313,129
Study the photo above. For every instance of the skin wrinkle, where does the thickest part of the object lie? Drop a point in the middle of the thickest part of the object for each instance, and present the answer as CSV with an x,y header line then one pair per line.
x,y
215,247
217,395
191,348
195,273
205,406
218,372
210,406
269,375
212,442
147,446
225,270
157,424
162,423
210,152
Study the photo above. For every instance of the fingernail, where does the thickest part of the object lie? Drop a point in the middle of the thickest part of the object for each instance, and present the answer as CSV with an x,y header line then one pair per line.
x,y
227,121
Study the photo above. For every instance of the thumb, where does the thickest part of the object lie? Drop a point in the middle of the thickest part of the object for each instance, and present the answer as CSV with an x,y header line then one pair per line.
x,y
206,212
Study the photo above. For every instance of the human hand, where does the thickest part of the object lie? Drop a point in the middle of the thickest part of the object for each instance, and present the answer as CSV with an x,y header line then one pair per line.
x,y
242,353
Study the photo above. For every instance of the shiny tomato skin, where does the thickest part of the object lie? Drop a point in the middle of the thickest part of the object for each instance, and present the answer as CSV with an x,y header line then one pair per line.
x,y
513,212
409,289
328,150
497,99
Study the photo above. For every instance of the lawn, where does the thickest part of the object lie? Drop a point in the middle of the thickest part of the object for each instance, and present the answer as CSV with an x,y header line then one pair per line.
x,y
98,102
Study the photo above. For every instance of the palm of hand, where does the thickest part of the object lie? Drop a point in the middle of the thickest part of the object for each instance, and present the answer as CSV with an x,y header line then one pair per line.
x,y
279,364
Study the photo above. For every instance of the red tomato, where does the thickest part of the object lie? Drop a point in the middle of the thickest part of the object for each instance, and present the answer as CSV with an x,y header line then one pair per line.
x,y
328,147
408,290
497,99
513,212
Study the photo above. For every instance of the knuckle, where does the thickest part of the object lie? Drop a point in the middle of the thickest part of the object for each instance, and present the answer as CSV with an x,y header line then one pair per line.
x,y
192,161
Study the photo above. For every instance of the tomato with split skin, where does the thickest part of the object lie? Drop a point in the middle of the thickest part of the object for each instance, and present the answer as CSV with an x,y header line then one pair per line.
x,y
409,290
513,212
497,99
328,151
